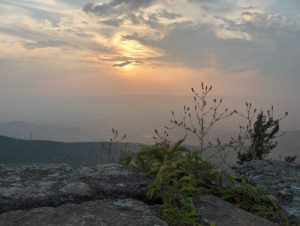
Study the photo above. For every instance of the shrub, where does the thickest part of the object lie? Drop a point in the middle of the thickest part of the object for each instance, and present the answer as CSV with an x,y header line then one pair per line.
x,y
256,201
198,120
179,174
115,146
257,139
290,158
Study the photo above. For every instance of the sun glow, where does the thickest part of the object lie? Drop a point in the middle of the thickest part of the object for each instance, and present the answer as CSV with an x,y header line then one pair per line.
x,y
133,53
128,67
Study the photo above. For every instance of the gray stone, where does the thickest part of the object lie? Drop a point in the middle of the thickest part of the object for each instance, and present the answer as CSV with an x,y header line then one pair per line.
x,y
57,194
38,185
222,213
280,179
117,212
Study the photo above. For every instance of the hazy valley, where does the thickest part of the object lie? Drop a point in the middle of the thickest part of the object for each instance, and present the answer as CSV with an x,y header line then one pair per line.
x,y
88,120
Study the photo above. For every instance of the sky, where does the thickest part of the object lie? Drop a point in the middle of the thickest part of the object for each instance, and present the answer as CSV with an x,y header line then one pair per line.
x,y
68,48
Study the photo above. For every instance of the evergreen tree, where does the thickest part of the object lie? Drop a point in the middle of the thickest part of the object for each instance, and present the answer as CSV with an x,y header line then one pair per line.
x,y
262,136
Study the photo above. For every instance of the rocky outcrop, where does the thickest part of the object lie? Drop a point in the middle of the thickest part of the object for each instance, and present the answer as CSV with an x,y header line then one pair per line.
x,y
38,185
279,179
222,213
117,212
104,195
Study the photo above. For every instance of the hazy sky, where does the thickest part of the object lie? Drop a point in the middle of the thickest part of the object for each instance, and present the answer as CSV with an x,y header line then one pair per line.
x,y
113,47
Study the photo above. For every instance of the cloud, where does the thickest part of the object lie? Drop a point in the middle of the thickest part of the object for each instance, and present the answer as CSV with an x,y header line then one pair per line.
x,y
112,22
36,11
79,3
169,15
215,5
123,64
288,8
188,45
46,44
200,46
151,20
136,37
225,35
279,38
118,12
20,32
117,7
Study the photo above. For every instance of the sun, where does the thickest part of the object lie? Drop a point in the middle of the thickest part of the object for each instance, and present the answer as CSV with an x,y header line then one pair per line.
x,y
128,67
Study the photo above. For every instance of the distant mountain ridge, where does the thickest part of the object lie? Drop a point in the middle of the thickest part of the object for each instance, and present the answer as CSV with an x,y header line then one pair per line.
x,y
22,142
16,151
33,131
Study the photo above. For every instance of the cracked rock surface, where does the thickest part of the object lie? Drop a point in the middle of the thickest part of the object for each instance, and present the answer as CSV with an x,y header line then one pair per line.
x,y
280,179
115,212
38,185
222,213
104,195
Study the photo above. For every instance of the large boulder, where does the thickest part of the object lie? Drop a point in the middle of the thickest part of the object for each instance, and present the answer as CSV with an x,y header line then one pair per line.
x,y
118,212
222,213
279,179
38,185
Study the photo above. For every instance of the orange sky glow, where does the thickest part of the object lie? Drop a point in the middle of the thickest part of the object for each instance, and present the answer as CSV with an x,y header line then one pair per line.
x,y
110,47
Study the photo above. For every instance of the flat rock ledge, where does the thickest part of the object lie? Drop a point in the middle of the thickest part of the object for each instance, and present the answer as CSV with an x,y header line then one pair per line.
x,y
280,179
117,212
104,195
38,185
222,213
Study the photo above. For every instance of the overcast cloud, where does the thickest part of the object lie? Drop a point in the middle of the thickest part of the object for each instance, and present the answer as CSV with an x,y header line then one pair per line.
x,y
252,42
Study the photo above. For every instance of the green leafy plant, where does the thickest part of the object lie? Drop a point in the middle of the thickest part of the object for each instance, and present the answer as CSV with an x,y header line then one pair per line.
x,y
180,174
256,201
